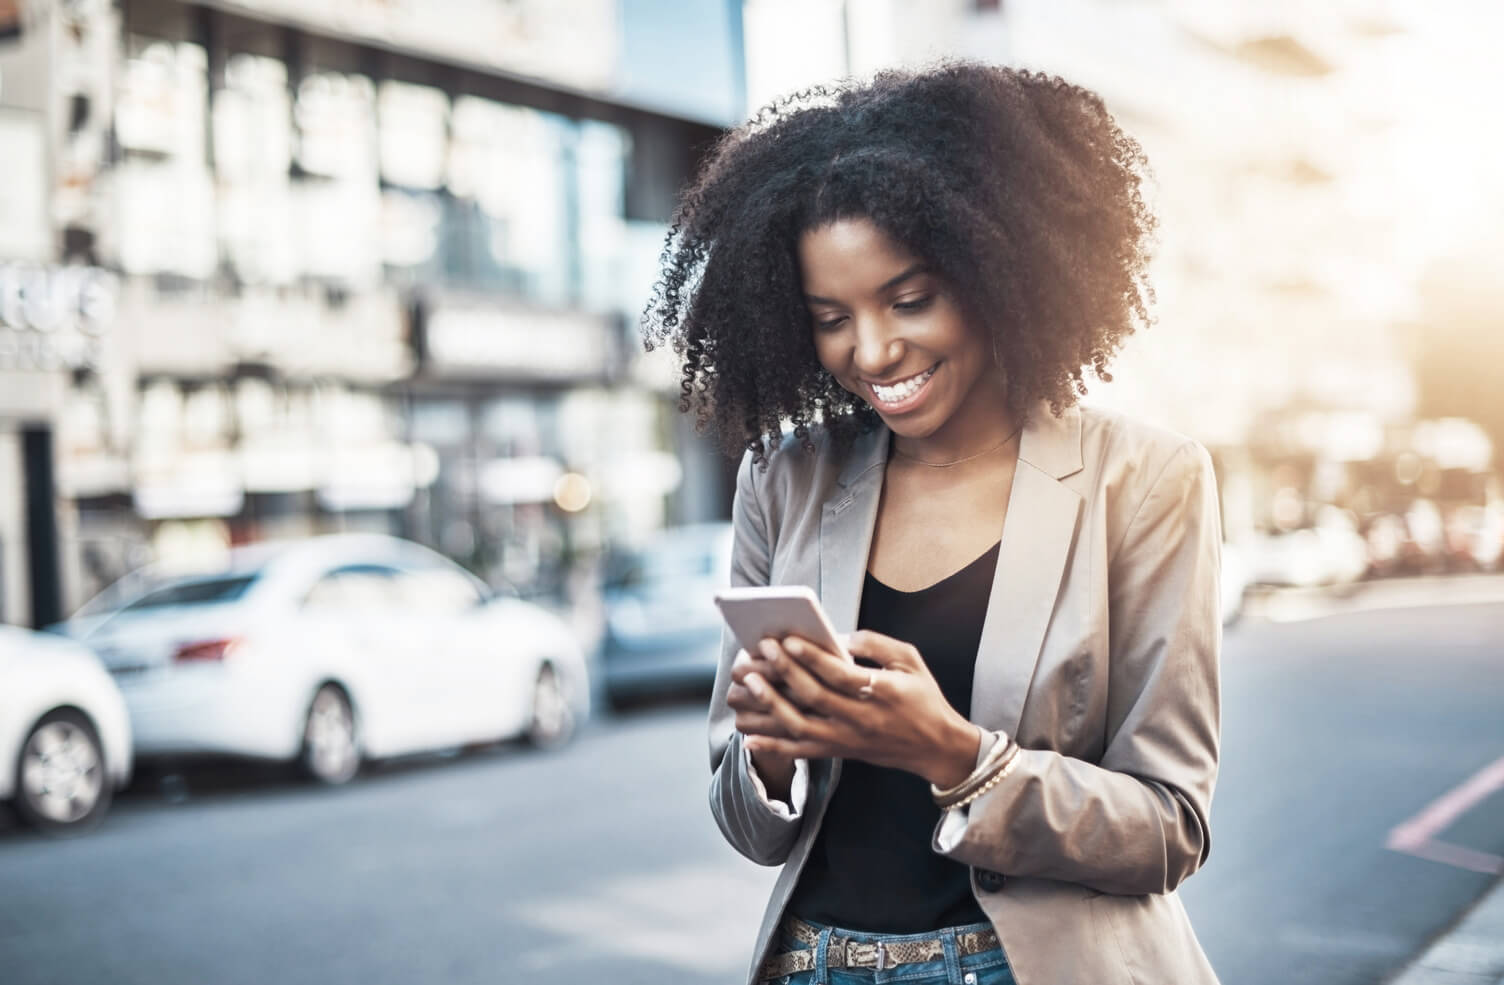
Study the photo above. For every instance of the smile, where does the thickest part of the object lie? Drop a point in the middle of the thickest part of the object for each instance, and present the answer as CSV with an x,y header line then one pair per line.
x,y
903,392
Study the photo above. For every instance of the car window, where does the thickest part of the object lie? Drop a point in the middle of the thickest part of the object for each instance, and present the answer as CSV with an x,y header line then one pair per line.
x,y
198,591
356,586
681,562
668,564
436,590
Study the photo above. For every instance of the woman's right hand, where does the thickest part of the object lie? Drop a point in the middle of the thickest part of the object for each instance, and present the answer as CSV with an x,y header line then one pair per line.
x,y
753,683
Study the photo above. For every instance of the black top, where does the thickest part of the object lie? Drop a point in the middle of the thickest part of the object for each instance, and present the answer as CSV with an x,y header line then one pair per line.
x,y
871,867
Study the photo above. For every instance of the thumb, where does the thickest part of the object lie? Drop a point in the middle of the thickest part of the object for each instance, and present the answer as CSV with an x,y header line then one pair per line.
x,y
885,651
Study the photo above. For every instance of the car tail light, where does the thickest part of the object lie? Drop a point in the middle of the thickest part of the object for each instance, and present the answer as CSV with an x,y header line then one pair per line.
x,y
205,651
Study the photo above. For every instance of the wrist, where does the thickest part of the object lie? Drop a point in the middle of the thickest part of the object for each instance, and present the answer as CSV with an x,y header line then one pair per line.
x,y
777,772
955,756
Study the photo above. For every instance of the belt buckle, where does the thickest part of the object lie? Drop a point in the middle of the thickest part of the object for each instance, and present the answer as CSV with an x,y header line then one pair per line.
x,y
882,956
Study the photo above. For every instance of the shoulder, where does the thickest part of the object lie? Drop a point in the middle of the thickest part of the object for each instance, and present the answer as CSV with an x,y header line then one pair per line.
x,y
1140,470
1120,446
796,467
1113,434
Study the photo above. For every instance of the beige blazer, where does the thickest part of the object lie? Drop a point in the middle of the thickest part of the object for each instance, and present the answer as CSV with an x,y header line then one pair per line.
x,y
1099,654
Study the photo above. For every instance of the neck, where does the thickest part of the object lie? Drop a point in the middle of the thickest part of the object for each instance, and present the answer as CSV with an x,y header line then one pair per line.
x,y
1001,448
981,436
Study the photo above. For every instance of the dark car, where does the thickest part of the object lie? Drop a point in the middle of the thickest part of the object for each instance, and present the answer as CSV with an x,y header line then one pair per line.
x,y
663,631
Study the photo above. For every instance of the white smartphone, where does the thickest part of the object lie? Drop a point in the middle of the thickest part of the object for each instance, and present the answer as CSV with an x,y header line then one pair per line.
x,y
776,611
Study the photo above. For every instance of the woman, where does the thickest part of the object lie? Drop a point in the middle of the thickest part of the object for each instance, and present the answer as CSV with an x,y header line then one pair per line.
x,y
1014,777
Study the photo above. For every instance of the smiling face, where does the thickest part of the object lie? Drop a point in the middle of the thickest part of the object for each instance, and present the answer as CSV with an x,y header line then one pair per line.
x,y
891,331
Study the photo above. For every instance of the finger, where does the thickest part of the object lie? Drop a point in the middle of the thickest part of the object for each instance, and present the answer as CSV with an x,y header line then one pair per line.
x,y
811,693
832,671
789,748
791,719
758,665
761,689
740,698
885,651
752,723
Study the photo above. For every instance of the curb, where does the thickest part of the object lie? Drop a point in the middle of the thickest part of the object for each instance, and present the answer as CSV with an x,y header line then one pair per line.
x,y
1470,953
1298,604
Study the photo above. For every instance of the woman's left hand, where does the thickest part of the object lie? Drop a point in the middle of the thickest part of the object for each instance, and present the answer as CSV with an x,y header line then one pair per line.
x,y
894,715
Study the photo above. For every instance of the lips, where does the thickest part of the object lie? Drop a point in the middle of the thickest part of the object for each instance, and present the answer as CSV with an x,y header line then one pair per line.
x,y
904,394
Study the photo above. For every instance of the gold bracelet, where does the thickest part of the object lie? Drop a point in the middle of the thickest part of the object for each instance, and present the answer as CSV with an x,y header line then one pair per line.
x,y
997,757
984,782
993,781
988,761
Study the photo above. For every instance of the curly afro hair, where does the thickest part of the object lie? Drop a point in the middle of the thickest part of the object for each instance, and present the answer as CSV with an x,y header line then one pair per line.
x,y
1018,188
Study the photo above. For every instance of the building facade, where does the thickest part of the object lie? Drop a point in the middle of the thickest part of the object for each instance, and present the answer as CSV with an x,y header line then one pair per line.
x,y
352,266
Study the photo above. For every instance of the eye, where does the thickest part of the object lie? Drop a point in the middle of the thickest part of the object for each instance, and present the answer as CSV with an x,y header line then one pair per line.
x,y
828,323
915,304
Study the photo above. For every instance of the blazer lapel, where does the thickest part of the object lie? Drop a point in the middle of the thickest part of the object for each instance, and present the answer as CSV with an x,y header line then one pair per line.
x,y
1038,534
1036,542
846,526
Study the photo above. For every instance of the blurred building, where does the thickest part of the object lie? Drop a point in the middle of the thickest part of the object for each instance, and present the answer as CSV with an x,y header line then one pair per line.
x,y
1311,162
1277,143
55,326
285,268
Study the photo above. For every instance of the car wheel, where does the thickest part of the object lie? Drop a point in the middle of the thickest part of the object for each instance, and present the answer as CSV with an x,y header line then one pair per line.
x,y
331,747
61,781
551,722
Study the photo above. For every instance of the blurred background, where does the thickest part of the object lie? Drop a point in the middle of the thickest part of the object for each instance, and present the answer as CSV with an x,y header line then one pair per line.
x,y
271,271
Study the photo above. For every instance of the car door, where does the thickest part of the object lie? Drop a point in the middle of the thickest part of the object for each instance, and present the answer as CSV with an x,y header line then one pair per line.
x,y
459,680
353,611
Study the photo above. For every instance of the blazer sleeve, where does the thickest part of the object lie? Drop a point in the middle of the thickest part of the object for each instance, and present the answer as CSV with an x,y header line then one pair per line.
x,y
1136,822
746,819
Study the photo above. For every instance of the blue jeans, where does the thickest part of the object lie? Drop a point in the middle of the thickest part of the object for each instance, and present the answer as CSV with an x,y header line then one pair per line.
x,y
954,968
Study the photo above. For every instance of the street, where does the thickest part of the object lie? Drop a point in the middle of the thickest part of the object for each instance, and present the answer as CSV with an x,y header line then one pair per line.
x,y
600,863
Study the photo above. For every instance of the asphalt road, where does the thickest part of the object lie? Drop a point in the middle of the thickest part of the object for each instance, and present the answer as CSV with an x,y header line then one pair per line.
x,y
600,863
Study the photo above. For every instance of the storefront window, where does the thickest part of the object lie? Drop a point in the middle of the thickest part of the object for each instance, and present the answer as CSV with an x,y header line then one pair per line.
x,y
163,195
252,123
600,158
337,202
414,134
509,162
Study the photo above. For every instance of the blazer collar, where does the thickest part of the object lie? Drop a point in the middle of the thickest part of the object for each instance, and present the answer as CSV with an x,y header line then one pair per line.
x,y
868,451
1052,444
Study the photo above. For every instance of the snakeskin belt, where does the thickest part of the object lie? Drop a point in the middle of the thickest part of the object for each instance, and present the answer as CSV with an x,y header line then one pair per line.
x,y
879,955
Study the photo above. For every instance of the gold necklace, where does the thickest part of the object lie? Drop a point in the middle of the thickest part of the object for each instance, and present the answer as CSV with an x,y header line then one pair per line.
x,y
946,465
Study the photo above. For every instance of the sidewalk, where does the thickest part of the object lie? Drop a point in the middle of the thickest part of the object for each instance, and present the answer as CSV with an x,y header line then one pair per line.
x,y
1471,953
1295,604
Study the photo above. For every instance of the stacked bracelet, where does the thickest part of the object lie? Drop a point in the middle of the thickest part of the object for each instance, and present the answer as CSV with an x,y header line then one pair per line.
x,y
993,757
997,764
989,783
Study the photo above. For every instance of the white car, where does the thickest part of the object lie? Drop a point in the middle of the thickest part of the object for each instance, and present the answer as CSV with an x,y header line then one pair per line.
x,y
1235,582
65,739
335,649
1330,552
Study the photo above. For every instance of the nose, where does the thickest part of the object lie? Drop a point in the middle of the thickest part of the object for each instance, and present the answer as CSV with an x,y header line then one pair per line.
x,y
877,349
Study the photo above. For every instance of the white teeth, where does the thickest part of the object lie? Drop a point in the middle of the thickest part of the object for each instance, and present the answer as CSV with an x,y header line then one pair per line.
x,y
900,392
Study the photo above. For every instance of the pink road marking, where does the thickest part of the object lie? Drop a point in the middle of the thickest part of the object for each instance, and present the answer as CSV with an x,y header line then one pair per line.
x,y
1417,836
1459,857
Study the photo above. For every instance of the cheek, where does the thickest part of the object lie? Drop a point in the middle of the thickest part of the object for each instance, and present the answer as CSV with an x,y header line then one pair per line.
x,y
829,352
968,343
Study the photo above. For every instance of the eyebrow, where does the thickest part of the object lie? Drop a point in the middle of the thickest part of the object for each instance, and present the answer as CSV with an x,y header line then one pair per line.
x,y
889,284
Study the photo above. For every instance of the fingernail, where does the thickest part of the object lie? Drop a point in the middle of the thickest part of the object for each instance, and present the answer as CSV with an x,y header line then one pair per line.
x,y
794,647
769,649
756,686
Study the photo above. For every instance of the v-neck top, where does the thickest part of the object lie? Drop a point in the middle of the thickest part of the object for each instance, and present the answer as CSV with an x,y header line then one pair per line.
x,y
871,867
